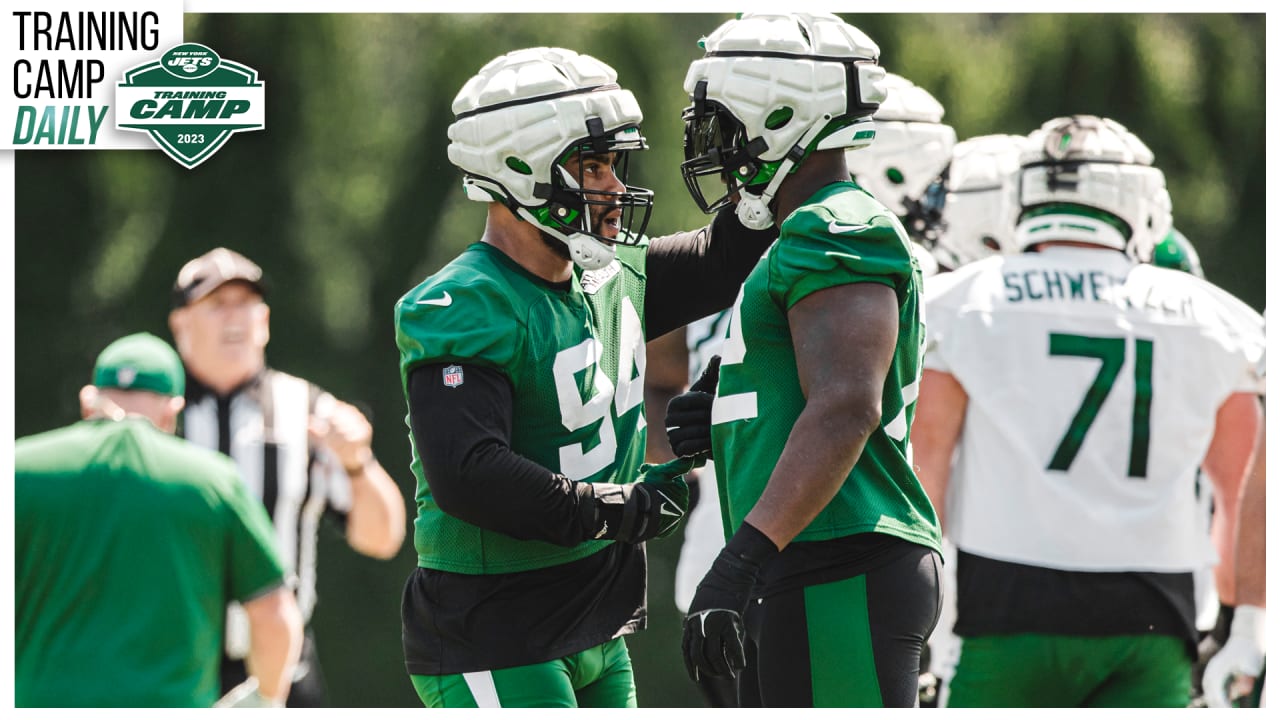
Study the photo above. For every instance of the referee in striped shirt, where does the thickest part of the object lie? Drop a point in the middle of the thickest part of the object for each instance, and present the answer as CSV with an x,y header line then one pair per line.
x,y
304,453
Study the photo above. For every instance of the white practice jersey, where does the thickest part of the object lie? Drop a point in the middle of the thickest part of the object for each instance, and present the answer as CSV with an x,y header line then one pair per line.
x,y
1093,388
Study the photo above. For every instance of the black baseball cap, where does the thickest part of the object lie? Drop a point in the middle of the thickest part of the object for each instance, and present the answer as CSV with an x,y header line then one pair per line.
x,y
207,273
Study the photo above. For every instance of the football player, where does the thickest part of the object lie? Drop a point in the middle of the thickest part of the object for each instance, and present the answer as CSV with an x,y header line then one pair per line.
x,y
978,220
1082,388
522,363
828,584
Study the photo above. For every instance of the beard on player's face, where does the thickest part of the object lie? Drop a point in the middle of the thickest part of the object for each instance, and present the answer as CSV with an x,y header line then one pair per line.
x,y
557,245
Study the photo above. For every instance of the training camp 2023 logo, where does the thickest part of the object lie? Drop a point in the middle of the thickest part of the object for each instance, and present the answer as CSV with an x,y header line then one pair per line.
x,y
190,102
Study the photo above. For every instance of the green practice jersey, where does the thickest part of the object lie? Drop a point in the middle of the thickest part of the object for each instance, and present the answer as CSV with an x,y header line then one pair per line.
x,y
841,236
575,359
129,543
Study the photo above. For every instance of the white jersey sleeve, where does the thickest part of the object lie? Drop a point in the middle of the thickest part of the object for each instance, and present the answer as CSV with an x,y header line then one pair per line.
x,y
942,305
1093,387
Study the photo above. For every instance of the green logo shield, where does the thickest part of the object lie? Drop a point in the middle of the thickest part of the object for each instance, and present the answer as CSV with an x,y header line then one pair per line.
x,y
190,102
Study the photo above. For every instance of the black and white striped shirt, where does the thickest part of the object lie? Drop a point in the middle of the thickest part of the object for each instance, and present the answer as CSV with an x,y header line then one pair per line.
x,y
262,426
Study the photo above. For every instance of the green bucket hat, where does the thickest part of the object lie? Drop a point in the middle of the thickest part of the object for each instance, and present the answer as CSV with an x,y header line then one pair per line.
x,y
140,361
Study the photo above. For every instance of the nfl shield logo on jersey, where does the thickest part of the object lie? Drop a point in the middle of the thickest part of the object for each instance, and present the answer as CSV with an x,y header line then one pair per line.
x,y
453,376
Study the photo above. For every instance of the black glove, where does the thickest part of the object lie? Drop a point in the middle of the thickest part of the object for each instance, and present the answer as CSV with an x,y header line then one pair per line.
x,y
689,415
1210,643
713,630
638,511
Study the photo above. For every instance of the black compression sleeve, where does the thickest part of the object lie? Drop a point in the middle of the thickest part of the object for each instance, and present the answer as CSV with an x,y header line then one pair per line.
x,y
463,434
695,273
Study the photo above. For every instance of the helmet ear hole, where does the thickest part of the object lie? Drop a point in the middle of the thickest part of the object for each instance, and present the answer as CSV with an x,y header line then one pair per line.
x,y
895,176
518,165
779,118
990,243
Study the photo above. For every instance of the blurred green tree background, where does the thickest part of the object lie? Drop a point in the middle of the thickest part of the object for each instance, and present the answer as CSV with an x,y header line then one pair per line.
x,y
347,200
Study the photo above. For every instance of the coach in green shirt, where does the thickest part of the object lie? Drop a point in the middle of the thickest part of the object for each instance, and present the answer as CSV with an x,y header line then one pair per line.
x,y
128,544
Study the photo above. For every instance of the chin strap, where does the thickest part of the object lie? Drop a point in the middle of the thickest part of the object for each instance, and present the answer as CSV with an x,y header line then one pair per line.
x,y
586,252
753,210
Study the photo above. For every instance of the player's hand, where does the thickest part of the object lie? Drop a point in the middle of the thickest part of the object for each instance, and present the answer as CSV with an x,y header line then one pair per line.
x,y
688,418
639,511
666,481
713,629
347,434
1242,655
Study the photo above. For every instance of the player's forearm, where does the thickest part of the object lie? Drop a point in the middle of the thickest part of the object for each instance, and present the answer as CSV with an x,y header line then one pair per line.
x,y
1223,534
462,435
713,260
1227,462
823,446
376,523
275,628
939,420
1251,535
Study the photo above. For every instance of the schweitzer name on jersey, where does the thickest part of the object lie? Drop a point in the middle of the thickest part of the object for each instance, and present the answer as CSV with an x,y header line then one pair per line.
x,y
1044,284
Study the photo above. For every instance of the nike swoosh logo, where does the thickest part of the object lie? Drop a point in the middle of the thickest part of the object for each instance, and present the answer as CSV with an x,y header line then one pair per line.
x,y
836,228
833,253
665,511
444,301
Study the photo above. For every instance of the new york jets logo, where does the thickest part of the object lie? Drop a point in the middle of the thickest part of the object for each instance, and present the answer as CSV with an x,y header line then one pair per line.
x,y
190,101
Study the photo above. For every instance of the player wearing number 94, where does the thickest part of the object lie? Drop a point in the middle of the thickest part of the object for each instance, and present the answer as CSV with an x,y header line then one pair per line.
x,y
1082,389
522,362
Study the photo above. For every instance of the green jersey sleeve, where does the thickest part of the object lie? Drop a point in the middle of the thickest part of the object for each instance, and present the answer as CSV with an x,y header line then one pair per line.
x,y
837,239
458,318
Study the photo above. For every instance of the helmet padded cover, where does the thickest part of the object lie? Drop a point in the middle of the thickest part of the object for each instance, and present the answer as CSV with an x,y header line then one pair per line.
x,y
536,133
910,138
982,198
754,87
1100,165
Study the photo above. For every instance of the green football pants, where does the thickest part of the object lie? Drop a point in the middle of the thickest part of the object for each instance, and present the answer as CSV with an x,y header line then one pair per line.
x,y
1033,670
599,677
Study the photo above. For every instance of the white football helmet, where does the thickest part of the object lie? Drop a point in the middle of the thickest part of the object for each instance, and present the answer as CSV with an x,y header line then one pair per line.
x,y
981,208
773,88
903,168
1089,179
521,117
